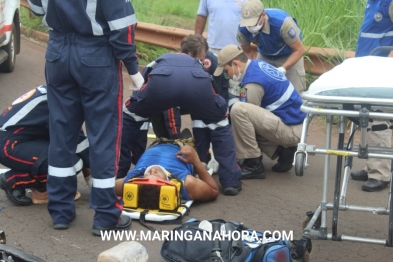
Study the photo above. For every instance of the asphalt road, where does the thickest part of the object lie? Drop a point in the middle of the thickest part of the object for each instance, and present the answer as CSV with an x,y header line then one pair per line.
x,y
277,203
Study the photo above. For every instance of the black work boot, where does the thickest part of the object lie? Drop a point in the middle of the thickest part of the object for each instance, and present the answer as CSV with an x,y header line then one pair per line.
x,y
253,168
285,159
16,196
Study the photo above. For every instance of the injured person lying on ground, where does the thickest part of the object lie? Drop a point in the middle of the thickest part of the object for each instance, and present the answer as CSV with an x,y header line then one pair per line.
x,y
166,159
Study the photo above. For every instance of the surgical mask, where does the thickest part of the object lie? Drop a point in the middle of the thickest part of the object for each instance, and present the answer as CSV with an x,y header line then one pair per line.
x,y
236,78
254,29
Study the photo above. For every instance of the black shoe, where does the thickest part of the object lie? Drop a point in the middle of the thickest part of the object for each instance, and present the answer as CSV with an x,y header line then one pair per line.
x,y
186,133
359,175
374,185
124,224
285,159
252,168
62,226
232,191
16,196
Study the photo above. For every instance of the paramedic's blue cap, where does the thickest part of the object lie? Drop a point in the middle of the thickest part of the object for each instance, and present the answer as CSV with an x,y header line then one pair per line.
x,y
160,167
251,11
226,54
210,62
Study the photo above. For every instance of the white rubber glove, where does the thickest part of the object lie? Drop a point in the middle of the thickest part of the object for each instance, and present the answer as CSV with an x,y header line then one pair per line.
x,y
137,81
213,164
282,70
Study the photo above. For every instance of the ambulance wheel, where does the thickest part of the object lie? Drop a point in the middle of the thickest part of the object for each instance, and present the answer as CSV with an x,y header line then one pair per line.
x,y
300,164
8,65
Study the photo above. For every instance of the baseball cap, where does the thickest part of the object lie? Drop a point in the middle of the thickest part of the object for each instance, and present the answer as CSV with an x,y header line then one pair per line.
x,y
251,11
226,54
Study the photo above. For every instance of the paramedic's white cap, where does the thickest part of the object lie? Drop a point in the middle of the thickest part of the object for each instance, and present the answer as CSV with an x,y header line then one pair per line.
x,y
251,11
225,55
160,167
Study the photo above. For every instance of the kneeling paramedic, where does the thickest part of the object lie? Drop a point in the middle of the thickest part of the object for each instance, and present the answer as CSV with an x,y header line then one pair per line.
x,y
24,139
179,80
269,120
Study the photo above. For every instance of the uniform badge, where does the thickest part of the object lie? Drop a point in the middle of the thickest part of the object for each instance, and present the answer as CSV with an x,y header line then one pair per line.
x,y
378,16
207,63
292,32
243,94
24,97
246,13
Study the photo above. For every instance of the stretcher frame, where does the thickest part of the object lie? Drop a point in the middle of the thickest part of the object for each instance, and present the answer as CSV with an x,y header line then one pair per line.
x,y
330,106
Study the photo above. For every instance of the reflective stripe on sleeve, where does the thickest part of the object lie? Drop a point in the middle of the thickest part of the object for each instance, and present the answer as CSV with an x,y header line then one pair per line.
x,y
122,22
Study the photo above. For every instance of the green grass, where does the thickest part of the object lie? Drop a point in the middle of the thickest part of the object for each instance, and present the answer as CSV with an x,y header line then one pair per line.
x,y
30,21
324,23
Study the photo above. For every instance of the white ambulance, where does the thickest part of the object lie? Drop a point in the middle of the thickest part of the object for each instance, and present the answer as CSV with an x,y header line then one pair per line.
x,y
9,34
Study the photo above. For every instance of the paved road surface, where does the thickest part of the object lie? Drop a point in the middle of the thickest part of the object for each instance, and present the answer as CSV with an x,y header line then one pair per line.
x,y
277,203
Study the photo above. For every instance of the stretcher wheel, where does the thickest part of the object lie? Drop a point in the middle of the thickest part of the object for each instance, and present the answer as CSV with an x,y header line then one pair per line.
x,y
300,164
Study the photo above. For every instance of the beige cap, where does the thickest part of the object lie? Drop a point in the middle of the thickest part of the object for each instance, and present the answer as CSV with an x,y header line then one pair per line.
x,y
226,54
251,12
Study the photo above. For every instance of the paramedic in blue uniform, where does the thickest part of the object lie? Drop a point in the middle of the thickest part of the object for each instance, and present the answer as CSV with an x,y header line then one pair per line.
x,y
181,163
24,139
278,39
179,80
376,30
168,124
88,41
269,119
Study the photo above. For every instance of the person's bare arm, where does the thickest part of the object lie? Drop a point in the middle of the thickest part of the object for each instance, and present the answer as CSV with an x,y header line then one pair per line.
x,y
203,189
290,33
119,187
200,24
247,50
298,52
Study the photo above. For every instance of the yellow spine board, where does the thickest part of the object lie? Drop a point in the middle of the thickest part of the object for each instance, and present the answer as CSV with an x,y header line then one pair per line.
x,y
170,195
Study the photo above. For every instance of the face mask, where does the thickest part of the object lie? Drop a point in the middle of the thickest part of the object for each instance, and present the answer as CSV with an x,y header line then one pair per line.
x,y
236,78
254,29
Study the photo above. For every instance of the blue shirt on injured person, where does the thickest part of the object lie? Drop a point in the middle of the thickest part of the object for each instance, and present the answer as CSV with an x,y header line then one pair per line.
x,y
163,155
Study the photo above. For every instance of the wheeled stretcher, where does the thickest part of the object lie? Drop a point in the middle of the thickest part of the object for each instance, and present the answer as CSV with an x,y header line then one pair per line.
x,y
359,89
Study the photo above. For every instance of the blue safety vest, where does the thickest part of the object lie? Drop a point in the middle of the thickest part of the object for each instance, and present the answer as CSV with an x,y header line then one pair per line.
x,y
29,110
271,46
376,30
163,155
280,97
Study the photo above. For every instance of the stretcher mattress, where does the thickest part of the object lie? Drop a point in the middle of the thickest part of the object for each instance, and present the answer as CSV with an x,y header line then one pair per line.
x,y
363,77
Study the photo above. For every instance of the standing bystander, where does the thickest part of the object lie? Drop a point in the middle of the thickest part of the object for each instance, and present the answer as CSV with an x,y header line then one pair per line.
x,y
87,42
278,38
376,30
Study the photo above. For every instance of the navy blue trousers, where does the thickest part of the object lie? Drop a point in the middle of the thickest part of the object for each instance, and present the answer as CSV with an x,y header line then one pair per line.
x,y
84,84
